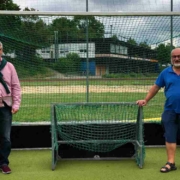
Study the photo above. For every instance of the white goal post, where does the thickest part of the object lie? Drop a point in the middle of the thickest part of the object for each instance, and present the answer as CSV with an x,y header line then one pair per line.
x,y
54,13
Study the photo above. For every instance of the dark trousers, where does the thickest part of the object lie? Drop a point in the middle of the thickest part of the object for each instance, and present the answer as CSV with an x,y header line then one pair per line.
x,y
171,125
5,131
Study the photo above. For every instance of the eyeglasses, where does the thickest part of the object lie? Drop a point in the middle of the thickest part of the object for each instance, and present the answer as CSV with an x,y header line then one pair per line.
x,y
176,56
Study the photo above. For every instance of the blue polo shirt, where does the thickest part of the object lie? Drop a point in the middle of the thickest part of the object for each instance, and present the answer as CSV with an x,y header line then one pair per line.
x,y
171,83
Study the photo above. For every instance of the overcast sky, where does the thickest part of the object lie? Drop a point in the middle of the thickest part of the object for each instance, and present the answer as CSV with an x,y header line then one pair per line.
x,y
152,30
99,5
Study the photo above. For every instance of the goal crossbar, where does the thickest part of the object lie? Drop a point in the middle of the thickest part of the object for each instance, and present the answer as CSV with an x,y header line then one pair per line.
x,y
54,13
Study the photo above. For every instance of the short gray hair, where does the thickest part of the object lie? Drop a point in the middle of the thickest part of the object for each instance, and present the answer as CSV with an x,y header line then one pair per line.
x,y
1,45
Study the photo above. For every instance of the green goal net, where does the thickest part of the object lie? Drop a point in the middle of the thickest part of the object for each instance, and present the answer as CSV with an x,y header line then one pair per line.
x,y
98,127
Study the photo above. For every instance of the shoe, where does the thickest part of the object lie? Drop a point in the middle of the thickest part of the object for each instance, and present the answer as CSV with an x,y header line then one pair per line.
x,y
5,169
165,169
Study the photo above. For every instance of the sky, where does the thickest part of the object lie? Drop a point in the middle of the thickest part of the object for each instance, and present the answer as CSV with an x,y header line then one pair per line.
x,y
140,29
99,5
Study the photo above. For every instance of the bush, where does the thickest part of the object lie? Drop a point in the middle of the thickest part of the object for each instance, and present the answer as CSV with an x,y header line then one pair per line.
x,y
69,64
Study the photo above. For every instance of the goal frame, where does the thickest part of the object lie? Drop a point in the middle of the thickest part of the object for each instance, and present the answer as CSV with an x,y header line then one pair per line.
x,y
139,151
80,13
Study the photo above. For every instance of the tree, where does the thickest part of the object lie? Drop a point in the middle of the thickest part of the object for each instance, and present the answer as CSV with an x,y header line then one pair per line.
x,y
144,45
132,41
8,5
34,29
95,27
27,33
75,28
67,28
115,38
9,23
164,53
68,64
22,35
75,61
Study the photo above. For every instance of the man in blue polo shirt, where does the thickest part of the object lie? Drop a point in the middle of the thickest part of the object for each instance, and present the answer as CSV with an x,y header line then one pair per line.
x,y
169,78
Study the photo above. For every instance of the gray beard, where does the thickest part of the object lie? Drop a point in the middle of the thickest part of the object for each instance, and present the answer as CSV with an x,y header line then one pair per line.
x,y
176,65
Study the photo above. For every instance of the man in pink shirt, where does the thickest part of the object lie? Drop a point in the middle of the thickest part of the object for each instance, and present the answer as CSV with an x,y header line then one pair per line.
x,y
10,99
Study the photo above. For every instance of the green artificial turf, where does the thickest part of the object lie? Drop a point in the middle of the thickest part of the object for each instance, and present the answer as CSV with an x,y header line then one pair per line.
x,y
36,165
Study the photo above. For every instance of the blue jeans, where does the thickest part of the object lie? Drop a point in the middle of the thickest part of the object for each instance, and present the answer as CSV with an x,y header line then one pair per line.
x,y
5,131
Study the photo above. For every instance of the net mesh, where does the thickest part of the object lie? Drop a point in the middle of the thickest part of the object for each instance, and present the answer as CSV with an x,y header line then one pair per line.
x,y
99,5
99,127
56,63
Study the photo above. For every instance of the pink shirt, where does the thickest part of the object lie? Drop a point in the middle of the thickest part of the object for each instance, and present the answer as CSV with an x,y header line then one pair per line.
x,y
11,78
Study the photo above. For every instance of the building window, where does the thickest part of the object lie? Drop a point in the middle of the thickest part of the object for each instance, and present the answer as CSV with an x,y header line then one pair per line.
x,y
112,48
123,50
82,50
45,50
64,50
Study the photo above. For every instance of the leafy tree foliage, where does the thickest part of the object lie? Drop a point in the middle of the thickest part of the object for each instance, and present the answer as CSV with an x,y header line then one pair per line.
x,y
68,64
163,50
145,45
131,41
9,23
115,38
26,33
8,5
34,30
66,28
95,27
75,28
164,53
